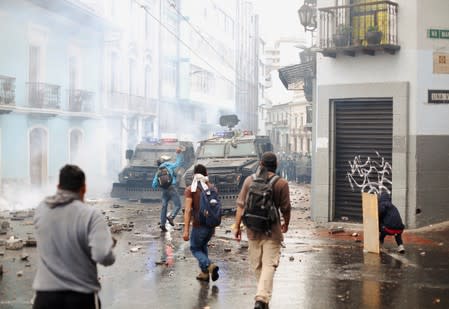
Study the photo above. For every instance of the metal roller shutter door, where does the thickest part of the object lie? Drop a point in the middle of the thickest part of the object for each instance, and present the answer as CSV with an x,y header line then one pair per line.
x,y
362,128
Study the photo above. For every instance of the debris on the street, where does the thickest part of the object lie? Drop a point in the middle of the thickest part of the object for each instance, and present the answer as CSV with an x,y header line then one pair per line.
x,y
335,230
4,226
2,253
243,245
1,269
14,244
291,259
30,242
19,273
345,218
135,249
227,249
24,257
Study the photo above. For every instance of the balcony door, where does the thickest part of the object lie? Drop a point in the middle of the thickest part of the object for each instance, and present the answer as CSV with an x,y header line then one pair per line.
x,y
74,95
38,145
35,95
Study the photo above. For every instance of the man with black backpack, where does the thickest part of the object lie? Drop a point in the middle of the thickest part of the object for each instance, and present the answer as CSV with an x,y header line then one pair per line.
x,y
165,178
203,207
263,195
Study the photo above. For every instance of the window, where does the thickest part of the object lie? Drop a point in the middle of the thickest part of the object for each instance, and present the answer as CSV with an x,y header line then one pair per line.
x,y
147,81
114,72
132,87
34,64
73,74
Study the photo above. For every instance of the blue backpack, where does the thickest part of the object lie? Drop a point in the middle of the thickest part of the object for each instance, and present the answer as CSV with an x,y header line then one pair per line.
x,y
209,213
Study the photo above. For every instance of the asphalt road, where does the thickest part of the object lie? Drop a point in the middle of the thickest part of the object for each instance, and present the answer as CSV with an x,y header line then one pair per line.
x,y
317,269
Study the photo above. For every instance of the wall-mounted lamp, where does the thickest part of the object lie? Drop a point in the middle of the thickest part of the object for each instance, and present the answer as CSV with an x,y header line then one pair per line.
x,y
307,15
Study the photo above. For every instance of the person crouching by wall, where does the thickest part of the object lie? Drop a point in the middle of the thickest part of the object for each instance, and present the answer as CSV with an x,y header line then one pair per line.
x,y
390,222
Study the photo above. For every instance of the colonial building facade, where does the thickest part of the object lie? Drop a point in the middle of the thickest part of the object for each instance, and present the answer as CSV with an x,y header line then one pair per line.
x,y
382,101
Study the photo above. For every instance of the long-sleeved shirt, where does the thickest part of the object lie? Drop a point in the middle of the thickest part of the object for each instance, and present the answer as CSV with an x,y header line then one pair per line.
x,y
71,240
281,198
171,169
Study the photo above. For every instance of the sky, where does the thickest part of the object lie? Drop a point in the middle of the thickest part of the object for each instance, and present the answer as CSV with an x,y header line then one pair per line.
x,y
279,18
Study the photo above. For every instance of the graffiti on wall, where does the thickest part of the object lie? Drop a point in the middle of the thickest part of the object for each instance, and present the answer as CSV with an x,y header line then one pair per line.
x,y
372,176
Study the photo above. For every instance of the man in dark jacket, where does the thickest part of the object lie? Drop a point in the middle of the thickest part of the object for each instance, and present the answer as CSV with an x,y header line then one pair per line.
x,y
390,222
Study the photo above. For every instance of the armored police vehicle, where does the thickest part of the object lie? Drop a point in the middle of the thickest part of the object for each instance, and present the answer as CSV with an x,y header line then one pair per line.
x,y
135,180
229,157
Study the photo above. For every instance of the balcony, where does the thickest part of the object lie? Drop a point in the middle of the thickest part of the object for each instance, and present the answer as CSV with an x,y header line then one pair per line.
x,y
7,90
81,101
359,28
132,103
42,95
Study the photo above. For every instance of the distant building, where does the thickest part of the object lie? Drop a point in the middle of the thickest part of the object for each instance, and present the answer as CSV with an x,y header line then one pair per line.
x,y
207,81
50,92
247,65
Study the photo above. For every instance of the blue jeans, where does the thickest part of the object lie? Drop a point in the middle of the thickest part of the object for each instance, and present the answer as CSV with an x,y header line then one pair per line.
x,y
199,238
169,194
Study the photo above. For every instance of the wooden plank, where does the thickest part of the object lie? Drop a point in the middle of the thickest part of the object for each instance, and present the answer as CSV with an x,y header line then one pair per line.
x,y
370,223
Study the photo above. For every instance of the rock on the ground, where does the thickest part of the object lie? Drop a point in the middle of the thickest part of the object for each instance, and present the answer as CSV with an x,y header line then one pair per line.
x,y
30,242
14,244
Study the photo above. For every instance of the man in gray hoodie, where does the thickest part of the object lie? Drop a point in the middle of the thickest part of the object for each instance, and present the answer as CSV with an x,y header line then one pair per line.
x,y
71,239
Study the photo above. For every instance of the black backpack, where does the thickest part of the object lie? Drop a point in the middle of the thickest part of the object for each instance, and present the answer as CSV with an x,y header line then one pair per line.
x,y
260,212
164,177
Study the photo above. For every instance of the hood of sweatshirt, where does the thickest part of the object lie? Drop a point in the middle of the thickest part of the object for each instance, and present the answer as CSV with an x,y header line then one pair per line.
x,y
61,198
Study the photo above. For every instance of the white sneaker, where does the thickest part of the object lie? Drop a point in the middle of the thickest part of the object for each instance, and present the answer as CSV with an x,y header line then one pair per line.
x,y
401,249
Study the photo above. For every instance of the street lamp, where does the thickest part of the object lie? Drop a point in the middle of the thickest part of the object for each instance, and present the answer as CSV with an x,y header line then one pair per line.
x,y
307,15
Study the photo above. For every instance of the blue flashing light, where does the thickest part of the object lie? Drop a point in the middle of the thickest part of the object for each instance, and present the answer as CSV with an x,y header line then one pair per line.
x,y
224,134
151,140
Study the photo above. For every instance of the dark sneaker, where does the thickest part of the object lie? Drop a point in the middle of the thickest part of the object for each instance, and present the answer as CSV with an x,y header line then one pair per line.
x,y
171,221
260,305
163,228
213,270
203,277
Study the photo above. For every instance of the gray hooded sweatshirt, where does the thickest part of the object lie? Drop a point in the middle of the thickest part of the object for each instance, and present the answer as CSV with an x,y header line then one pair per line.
x,y
71,239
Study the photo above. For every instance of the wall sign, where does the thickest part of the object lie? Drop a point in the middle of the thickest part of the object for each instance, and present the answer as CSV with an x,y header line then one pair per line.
x,y
438,96
438,34
441,63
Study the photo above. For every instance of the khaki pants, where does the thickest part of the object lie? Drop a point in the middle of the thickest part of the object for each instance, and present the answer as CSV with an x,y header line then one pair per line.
x,y
264,258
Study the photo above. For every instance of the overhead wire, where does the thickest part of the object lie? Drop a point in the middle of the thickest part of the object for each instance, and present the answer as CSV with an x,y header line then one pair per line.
x,y
173,5
145,8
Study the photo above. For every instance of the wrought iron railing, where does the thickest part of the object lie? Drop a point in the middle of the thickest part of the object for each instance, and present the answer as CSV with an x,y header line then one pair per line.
x,y
42,95
7,90
359,25
81,100
132,103
136,103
